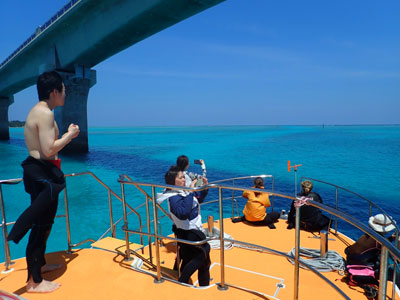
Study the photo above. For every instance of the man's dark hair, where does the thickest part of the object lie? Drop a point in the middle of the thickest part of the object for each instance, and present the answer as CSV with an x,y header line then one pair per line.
x,y
182,162
171,175
47,82
258,182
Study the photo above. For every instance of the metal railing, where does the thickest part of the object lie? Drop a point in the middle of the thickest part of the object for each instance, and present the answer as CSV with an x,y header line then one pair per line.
x,y
66,8
233,181
4,223
370,203
387,247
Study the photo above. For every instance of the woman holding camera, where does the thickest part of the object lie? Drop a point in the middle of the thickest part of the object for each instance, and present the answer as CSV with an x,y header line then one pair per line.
x,y
182,162
184,207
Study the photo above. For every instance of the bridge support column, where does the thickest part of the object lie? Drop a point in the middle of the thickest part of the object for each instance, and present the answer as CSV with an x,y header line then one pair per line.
x,y
77,86
5,102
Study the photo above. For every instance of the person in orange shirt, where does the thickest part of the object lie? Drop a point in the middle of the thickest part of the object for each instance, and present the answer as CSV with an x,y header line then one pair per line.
x,y
255,210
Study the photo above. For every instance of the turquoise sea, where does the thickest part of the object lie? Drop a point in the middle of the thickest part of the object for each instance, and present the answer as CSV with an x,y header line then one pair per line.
x,y
364,159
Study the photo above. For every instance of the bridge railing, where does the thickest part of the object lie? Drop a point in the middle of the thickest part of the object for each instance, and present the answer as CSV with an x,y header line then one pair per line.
x,y
67,7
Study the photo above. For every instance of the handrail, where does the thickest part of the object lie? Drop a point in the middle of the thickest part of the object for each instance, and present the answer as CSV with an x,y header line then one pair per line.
x,y
144,193
4,223
110,192
356,194
241,178
11,181
254,246
233,179
356,223
386,246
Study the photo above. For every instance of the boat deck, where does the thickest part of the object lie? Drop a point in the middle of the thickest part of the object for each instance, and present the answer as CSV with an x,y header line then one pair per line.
x,y
100,274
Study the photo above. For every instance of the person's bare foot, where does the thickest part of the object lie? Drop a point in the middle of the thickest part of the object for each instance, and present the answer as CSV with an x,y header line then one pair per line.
x,y
42,287
50,267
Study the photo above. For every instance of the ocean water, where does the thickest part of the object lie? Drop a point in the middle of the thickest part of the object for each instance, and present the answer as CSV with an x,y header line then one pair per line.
x,y
364,159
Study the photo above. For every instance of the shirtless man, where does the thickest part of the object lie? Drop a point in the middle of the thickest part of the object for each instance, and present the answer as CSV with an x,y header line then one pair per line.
x,y
43,179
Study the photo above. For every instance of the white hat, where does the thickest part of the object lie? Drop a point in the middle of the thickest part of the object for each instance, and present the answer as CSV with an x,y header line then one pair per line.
x,y
381,223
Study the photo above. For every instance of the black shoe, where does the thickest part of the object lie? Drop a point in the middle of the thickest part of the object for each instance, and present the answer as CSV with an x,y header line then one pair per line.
x,y
237,220
290,226
271,226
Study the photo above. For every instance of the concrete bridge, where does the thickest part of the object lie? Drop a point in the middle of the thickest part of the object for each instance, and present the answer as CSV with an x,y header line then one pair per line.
x,y
78,37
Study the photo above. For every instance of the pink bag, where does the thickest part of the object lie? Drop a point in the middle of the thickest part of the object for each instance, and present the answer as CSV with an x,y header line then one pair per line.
x,y
360,274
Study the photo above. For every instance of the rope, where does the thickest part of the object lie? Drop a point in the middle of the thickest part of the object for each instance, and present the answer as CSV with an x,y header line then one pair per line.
x,y
331,262
216,244
250,248
300,201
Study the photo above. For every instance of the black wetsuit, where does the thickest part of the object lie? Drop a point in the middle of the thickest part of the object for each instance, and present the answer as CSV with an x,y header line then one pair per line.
x,y
43,181
193,257
311,218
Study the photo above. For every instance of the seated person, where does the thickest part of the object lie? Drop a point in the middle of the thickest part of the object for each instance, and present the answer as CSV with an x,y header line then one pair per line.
x,y
182,162
184,207
366,251
311,218
255,210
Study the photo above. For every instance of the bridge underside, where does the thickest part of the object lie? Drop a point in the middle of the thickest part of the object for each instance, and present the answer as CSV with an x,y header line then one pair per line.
x,y
90,32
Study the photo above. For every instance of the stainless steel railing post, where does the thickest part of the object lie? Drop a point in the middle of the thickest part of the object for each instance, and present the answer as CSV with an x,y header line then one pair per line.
x,y
127,252
148,229
272,197
111,215
396,244
233,197
383,274
153,194
336,206
69,251
296,255
222,285
5,233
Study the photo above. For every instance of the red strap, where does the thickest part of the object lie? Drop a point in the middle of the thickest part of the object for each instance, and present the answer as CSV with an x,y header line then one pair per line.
x,y
56,162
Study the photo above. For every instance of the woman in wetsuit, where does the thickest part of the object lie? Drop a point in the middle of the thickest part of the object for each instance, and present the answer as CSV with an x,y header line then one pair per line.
x,y
311,218
184,207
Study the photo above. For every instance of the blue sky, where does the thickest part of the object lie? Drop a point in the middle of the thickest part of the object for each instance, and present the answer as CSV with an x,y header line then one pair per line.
x,y
242,63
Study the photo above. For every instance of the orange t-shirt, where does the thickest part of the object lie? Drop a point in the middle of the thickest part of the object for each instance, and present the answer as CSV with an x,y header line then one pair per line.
x,y
255,206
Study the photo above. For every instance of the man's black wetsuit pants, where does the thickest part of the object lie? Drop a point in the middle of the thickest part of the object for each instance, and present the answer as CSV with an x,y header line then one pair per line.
x,y
43,181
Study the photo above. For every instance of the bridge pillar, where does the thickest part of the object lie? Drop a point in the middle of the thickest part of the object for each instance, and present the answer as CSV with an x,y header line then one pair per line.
x,y
77,86
5,102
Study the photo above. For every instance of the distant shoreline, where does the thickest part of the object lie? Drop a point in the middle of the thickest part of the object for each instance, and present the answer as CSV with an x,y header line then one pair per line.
x,y
16,124
238,125
20,124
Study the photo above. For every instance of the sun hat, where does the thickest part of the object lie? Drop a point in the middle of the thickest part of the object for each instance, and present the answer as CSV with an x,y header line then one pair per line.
x,y
381,223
